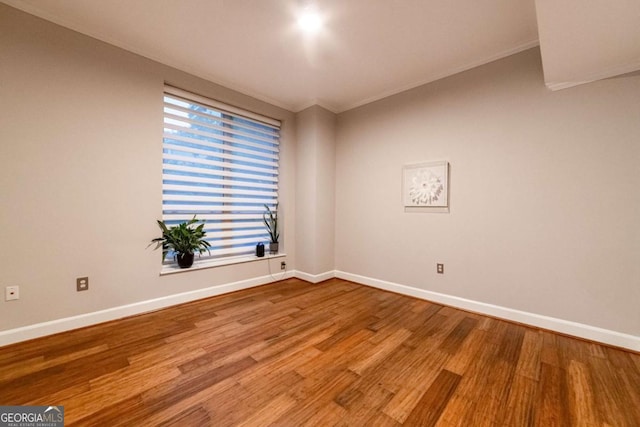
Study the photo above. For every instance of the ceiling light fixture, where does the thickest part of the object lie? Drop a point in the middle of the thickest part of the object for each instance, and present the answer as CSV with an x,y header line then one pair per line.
x,y
309,19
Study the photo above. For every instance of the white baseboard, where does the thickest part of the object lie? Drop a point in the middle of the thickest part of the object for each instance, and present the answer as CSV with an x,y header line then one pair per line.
x,y
575,329
580,330
315,278
25,333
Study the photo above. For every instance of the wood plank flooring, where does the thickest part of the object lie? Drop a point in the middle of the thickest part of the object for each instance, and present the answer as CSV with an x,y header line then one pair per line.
x,y
335,353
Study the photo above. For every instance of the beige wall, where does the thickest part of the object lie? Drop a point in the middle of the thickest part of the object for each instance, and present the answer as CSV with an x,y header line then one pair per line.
x,y
315,195
544,192
544,199
81,178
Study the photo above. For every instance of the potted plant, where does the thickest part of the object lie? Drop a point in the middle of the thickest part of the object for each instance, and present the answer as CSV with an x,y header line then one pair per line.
x,y
270,218
184,239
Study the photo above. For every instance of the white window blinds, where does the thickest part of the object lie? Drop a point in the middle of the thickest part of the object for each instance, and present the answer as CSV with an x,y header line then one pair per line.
x,y
221,164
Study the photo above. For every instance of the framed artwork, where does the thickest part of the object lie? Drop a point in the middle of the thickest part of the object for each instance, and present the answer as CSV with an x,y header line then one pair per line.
x,y
426,186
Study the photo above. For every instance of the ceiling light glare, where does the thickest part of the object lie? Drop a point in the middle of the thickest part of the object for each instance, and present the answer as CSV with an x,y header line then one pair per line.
x,y
309,21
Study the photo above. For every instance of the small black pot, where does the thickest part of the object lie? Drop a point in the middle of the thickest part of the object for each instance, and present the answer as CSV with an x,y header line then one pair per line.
x,y
185,260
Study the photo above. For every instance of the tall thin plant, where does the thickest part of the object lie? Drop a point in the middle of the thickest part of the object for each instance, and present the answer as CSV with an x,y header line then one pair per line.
x,y
270,218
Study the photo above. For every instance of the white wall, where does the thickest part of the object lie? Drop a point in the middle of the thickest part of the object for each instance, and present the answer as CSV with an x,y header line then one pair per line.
x,y
544,192
315,195
81,174
544,199
586,40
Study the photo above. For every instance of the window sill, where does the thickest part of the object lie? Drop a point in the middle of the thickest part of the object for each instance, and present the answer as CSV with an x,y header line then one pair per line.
x,y
212,263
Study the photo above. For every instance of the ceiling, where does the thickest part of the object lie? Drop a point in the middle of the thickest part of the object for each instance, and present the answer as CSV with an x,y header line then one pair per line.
x,y
366,50
586,40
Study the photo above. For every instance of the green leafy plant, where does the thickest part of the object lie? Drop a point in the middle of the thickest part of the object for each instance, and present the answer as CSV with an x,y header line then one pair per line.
x,y
183,238
270,218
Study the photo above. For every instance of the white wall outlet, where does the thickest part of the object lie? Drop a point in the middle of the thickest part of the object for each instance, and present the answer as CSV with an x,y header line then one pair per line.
x,y
11,293
440,268
82,284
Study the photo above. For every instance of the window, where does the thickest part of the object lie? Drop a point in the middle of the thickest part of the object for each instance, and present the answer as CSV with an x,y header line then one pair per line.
x,y
221,164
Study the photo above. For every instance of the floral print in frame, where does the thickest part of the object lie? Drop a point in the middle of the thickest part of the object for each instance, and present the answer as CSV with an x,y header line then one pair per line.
x,y
426,184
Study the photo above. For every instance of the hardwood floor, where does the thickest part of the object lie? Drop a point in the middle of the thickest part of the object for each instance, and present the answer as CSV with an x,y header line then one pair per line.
x,y
336,353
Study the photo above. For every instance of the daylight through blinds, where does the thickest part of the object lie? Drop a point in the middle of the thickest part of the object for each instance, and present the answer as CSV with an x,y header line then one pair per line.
x,y
220,164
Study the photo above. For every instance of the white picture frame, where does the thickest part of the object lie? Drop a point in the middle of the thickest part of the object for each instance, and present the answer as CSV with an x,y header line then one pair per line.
x,y
425,186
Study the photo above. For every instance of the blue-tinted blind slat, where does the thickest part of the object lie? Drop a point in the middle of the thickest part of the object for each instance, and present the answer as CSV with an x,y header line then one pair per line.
x,y
220,165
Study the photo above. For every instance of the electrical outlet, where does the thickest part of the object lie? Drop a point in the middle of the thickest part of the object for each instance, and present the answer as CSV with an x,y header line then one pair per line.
x,y
11,293
82,284
283,265
440,268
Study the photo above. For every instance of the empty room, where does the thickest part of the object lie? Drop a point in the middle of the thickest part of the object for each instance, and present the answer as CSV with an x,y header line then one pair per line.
x,y
319,213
